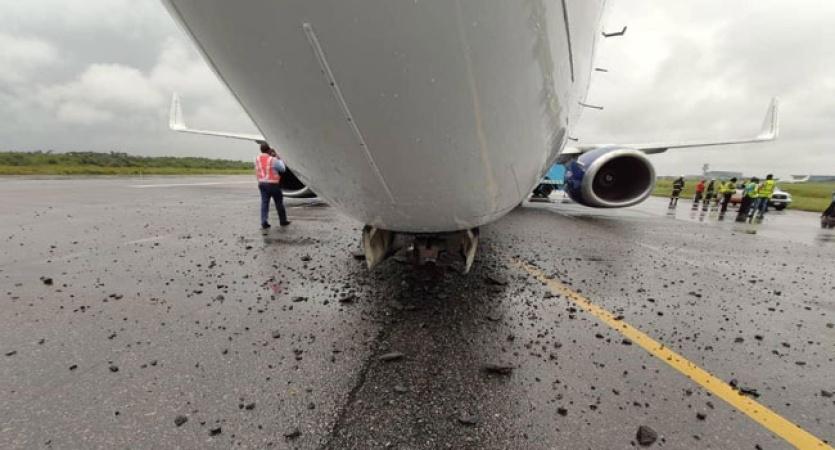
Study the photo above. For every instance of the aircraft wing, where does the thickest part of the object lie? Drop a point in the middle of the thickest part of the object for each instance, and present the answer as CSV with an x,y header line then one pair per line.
x,y
176,123
769,131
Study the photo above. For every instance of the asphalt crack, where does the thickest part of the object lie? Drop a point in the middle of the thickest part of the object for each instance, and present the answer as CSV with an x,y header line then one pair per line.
x,y
353,394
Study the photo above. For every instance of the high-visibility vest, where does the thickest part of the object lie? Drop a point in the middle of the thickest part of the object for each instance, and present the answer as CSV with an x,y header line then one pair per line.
x,y
264,169
766,189
729,187
751,190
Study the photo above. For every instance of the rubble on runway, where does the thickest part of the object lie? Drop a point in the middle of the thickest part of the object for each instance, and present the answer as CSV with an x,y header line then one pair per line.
x,y
234,338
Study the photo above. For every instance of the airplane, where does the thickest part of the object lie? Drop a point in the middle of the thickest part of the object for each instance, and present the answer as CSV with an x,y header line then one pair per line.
x,y
423,120
796,179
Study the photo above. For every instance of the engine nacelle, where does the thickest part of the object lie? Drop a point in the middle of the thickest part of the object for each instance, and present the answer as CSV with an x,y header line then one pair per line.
x,y
292,187
610,177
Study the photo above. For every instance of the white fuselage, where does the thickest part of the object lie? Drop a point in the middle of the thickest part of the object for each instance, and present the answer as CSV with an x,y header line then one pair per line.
x,y
412,116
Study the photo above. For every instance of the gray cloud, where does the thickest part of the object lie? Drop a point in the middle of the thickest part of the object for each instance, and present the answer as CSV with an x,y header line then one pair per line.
x,y
97,75
708,69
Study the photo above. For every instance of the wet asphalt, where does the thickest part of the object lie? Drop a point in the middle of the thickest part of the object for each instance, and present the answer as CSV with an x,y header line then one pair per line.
x,y
140,316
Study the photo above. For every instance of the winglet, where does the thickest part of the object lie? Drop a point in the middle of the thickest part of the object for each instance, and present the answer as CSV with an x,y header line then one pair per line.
x,y
177,123
175,119
771,125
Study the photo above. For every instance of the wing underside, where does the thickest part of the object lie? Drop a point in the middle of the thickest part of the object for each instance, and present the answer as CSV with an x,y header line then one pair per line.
x,y
768,132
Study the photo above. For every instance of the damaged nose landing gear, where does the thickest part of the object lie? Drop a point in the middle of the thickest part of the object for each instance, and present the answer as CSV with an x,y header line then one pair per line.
x,y
423,248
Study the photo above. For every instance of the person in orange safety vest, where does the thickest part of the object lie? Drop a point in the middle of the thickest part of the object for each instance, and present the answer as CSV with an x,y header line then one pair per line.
x,y
700,189
268,170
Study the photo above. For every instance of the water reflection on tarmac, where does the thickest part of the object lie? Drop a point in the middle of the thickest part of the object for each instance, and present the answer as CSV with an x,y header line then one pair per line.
x,y
788,225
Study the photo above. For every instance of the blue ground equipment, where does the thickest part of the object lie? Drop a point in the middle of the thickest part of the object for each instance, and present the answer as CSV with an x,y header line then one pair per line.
x,y
554,179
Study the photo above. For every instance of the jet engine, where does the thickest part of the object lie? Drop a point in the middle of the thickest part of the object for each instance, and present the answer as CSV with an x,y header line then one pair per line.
x,y
610,177
292,187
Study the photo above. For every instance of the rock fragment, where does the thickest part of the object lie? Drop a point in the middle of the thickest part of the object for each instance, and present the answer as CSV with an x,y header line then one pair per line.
x,y
467,419
180,420
215,431
293,434
498,368
751,392
495,280
646,436
391,356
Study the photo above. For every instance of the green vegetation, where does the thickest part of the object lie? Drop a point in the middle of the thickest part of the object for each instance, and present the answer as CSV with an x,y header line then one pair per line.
x,y
92,163
805,196
809,196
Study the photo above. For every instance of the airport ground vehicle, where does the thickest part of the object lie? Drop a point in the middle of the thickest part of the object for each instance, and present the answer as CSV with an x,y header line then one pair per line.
x,y
553,180
780,200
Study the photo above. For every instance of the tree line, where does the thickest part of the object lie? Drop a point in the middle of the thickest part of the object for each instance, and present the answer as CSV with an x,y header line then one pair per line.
x,y
116,159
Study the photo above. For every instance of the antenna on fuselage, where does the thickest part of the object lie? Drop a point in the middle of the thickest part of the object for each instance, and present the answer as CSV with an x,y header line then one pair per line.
x,y
615,34
586,105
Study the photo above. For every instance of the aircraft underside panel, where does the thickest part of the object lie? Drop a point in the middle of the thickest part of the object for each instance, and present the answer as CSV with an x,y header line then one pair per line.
x,y
409,116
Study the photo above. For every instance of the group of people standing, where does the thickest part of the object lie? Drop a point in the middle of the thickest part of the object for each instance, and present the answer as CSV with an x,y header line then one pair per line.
x,y
754,202
755,197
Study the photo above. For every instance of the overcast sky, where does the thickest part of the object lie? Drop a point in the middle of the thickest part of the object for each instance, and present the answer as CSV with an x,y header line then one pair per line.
x,y
97,75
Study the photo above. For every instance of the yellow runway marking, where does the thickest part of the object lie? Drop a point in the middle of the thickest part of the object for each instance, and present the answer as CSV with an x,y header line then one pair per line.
x,y
772,421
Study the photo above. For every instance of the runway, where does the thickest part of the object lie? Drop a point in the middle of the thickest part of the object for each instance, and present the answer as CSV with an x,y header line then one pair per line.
x,y
162,317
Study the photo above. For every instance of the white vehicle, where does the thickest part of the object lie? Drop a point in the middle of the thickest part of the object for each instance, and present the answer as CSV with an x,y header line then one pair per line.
x,y
780,199
422,119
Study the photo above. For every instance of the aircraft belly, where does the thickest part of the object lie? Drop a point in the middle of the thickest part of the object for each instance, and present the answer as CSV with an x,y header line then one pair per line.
x,y
410,116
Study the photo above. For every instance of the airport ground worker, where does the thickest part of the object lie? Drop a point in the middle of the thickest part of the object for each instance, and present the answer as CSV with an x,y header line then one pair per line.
x,y
710,192
700,190
828,215
726,191
268,170
764,192
749,194
678,186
